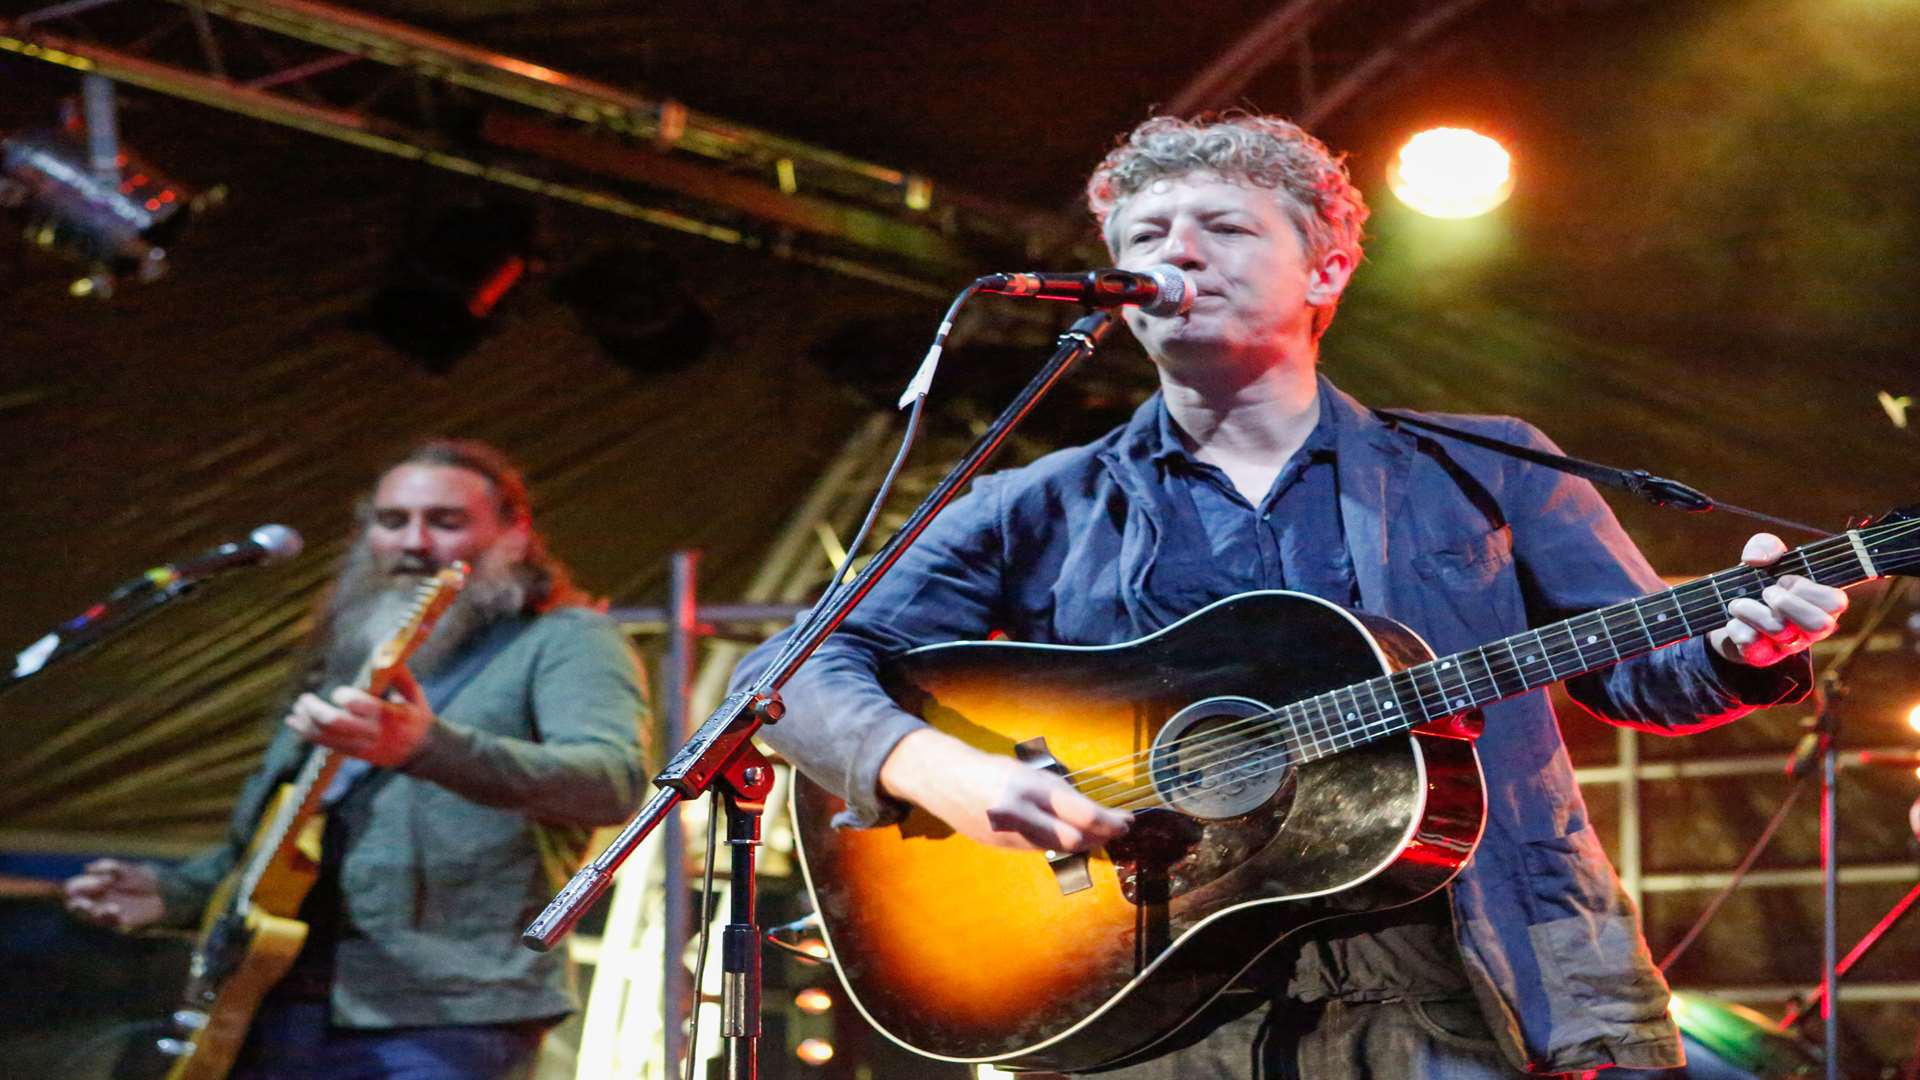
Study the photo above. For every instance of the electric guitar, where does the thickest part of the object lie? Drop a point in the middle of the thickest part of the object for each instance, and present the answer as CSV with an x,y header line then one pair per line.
x,y
1286,761
250,935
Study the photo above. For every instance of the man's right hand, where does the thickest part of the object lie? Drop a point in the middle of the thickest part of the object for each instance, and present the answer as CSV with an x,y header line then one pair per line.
x,y
995,799
118,895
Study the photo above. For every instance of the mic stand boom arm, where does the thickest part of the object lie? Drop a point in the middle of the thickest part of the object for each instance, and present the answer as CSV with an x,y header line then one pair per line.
x,y
721,752
92,627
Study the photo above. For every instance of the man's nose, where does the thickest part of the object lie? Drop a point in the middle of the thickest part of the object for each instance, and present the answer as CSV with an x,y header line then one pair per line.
x,y
1182,248
414,536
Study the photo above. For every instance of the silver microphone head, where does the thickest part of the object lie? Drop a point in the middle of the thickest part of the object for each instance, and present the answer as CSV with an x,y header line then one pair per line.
x,y
1176,291
279,542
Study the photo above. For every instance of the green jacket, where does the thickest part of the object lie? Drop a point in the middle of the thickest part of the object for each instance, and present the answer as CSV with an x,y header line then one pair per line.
x,y
450,856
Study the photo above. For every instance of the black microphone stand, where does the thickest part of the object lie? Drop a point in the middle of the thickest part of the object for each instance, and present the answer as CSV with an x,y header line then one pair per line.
x,y
1824,731
721,752
113,615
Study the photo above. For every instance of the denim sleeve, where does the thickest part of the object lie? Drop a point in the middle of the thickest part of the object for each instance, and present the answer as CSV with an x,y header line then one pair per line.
x,y
1574,557
840,725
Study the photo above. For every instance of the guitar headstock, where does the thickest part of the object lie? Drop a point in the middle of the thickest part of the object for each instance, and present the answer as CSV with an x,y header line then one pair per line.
x,y
430,600
1893,540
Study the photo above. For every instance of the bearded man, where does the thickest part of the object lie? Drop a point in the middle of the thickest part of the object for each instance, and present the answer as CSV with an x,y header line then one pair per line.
x,y
464,802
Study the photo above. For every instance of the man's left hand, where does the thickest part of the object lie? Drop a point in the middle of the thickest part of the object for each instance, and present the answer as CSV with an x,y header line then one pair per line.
x,y
1788,617
355,723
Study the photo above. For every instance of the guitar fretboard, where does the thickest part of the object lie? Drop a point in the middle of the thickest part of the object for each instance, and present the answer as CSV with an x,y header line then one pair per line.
x,y
1342,719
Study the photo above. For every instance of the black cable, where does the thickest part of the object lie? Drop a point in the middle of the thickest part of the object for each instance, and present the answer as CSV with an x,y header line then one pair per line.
x,y
804,631
706,935
839,581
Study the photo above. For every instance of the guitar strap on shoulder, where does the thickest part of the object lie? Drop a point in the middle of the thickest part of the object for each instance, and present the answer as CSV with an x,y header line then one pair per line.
x,y
440,688
1657,490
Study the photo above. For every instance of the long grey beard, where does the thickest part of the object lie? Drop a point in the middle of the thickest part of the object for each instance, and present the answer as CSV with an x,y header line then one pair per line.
x,y
369,607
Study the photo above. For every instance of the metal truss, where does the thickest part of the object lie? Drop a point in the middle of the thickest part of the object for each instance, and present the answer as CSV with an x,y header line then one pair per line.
x,y
1329,80
388,87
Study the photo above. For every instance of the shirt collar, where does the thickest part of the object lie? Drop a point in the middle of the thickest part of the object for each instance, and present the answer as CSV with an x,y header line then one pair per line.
x,y
1164,439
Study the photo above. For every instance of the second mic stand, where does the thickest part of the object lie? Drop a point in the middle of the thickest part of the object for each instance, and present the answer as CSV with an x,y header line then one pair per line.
x,y
1825,733
721,752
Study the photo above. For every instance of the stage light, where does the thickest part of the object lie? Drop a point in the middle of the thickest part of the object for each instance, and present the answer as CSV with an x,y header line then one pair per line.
x,y
814,1051
1451,173
117,220
1913,718
446,282
813,1001
636,304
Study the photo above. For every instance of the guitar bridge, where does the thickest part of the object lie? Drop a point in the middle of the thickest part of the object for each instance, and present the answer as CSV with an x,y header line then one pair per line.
x,y
1070,869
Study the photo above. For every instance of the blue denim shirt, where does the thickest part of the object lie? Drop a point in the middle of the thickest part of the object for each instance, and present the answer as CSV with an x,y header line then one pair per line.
x,y
1464,546
1291,540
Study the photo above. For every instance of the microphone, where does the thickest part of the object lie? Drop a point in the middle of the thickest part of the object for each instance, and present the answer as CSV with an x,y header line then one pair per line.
x,y
1158,290
266,544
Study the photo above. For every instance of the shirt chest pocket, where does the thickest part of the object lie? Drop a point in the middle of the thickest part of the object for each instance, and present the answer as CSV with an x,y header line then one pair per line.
x,y
1465,561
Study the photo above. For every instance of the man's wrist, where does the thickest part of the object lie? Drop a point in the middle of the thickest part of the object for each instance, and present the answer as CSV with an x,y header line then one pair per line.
x,y
901,772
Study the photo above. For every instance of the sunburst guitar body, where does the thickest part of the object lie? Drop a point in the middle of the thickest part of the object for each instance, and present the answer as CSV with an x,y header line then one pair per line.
x,y
972,953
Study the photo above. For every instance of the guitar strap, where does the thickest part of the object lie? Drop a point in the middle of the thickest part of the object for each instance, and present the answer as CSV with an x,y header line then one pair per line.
x,y
1657,490
440,688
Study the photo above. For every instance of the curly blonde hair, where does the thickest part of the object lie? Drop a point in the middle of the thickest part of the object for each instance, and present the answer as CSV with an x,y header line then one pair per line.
x,y
1316,193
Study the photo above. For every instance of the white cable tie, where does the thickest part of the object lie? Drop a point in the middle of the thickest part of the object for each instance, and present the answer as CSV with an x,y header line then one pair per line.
x,y
34,657
922,382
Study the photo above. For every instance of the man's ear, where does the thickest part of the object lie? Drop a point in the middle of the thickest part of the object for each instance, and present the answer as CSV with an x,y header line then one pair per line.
x,y
1328,278
515,541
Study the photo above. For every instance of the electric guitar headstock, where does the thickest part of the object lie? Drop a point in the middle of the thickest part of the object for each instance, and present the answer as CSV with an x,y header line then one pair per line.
x,y
430,601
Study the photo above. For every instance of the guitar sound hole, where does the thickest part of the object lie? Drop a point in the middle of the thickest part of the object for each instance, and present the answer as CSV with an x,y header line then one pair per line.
x,y
1213,761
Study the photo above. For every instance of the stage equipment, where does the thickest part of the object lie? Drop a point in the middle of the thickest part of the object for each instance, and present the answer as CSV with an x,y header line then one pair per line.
x,y
81,195
1451,173
1830,694
814,1051
1161,290
1726,1041
635,303
445,284
140,596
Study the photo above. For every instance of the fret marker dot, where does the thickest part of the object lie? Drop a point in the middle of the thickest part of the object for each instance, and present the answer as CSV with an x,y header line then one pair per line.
x,y
1445,664
1459,703
1529,658
1387,706
1591,639
1660,616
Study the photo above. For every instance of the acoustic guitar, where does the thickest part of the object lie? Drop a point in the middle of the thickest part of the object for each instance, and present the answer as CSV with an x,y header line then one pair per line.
x,y
1286,761
251,933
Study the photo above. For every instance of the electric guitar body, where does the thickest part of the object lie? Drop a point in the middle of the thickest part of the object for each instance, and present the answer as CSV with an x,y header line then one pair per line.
x,y
251,934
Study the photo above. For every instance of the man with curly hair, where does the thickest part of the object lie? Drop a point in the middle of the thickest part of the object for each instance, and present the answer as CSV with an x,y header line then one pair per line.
x,y
1248,470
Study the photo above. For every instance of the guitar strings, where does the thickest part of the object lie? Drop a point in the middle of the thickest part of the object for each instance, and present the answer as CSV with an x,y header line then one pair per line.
x,y
1231,741
1494,668
1271,743
1274,746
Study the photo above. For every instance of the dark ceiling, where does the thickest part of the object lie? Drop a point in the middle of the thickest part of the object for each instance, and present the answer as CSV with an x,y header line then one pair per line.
x,y
1706,271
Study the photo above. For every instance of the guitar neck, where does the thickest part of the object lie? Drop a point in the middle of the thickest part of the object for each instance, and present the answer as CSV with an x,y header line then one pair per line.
x,y
1341,719
301,803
